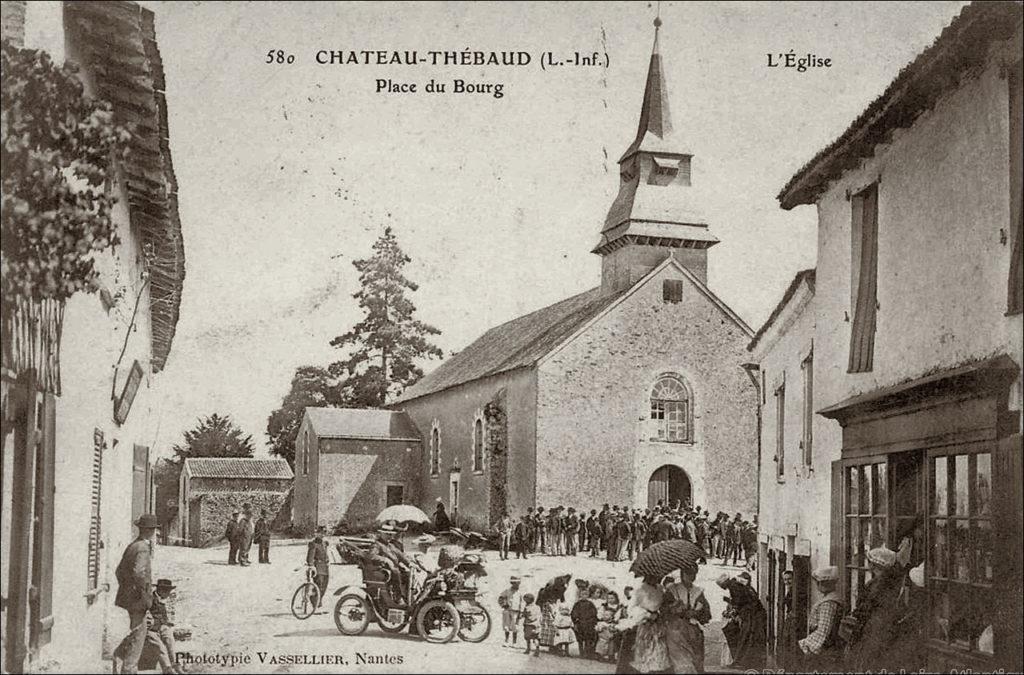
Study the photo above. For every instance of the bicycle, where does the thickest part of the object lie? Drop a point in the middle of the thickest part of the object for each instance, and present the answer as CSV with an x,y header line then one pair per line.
x,y
306,599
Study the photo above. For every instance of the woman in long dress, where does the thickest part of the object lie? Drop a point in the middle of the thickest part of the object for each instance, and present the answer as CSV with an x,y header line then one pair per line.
x,y
686,612
745,632
643,648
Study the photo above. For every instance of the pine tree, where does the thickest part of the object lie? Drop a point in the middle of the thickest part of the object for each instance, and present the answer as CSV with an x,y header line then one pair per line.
x,y
215,436
387,344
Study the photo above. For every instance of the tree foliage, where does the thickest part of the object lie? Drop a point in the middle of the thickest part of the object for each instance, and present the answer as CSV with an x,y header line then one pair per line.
x,y
311,386
214,436
386,346
57,153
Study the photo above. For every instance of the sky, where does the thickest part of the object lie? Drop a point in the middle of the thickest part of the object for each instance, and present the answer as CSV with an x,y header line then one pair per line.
x,y
289,172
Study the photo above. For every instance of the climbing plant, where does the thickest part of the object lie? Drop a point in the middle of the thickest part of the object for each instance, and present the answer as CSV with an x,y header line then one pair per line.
x,y
497,450
57,153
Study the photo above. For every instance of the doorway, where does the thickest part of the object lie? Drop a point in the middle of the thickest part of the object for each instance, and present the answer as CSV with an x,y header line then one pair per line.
x,y
668,485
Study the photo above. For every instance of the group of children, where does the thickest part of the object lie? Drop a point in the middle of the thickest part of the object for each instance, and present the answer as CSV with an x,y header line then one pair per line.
x,y
548,621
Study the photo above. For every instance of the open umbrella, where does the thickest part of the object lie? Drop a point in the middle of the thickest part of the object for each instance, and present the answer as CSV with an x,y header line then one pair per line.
x,y
402,513
666,557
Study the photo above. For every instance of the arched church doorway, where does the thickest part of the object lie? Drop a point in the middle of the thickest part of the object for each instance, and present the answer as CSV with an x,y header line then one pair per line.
x,y
668,485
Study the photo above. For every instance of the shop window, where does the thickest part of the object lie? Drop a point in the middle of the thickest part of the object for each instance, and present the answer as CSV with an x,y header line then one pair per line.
x,y
960,561
866,522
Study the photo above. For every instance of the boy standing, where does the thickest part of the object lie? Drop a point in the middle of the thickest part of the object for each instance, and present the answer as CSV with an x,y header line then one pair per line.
x,y
531,624
511,603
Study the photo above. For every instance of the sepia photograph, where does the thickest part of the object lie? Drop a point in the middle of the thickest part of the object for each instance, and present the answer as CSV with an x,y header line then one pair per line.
x,y
512,337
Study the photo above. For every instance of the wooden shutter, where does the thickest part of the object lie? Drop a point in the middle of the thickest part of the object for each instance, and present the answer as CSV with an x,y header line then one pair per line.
x,y
801,594
140,481
1008,522
95,521
862,337
1015,303
42,545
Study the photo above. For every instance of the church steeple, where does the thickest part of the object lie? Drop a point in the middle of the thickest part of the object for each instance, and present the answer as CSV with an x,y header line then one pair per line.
x,y
653,215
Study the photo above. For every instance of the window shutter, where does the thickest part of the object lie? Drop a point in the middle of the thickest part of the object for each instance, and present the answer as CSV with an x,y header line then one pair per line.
x,y
1008,521
1015,303
801,594
42,553
95,521
836,556
862,337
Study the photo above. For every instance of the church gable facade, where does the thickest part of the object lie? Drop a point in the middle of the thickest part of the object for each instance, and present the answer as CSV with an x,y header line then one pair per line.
x,y
650,402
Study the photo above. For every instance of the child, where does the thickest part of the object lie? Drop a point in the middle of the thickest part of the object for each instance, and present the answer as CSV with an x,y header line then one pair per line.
x,y
531,624
510,602
584,618
564,634
605,633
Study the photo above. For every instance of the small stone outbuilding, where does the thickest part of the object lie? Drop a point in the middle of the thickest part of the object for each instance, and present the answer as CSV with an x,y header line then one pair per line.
x,y
211,488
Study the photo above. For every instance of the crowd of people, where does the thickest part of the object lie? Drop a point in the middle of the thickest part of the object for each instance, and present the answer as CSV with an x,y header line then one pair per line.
x,y
657,626
620,533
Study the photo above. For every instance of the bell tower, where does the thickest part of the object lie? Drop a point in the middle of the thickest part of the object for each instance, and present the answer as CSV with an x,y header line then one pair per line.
x,y
653,215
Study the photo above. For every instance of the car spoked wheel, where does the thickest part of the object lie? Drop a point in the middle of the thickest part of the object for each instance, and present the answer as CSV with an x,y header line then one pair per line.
x,y
351,614
476,623
438,621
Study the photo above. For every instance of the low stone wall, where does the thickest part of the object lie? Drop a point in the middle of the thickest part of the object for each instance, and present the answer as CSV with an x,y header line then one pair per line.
x,y
215,510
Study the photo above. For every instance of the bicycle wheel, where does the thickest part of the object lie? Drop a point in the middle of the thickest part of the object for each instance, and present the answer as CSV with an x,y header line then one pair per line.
x,y
305,601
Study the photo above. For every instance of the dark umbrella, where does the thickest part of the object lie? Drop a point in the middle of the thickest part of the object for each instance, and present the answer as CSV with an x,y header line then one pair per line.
x,y
666,557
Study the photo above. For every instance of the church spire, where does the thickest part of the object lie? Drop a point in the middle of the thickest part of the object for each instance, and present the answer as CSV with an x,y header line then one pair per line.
x,y
654,214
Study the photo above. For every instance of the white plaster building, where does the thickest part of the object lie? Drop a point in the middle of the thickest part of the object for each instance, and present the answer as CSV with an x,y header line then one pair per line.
x,y
76,469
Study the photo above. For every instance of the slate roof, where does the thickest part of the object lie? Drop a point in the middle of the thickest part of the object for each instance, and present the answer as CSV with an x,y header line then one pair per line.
x,y
801,276
960,49
362,423
238,467
516,344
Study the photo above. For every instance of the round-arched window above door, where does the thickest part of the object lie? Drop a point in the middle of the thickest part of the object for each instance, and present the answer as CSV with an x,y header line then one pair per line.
x,y
672,410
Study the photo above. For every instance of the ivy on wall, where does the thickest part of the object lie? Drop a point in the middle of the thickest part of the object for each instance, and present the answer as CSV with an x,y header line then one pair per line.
x,y
497,452
57,153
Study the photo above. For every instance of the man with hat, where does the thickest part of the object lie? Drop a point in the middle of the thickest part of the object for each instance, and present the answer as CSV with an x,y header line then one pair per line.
x,y
261,535
231,535
511,603
822,647
246,531
319,559
135,588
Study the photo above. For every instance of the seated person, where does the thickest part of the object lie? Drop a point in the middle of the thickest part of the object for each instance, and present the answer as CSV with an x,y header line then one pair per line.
x,y
386,551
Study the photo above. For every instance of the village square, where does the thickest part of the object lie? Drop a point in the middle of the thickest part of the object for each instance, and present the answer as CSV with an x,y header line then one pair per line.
x,y
665,338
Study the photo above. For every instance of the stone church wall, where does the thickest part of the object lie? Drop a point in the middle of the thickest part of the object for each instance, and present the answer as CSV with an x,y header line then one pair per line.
x,y
455,410
593,405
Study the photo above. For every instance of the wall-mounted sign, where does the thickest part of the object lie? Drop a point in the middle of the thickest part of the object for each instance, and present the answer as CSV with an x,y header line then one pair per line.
x,y
123,404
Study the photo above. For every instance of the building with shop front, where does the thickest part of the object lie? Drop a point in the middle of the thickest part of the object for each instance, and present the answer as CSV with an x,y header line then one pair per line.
x,y
915,349
80,379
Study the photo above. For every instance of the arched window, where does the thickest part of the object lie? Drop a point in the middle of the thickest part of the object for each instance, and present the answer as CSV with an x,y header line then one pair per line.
x,y
435,451
672,410
478,445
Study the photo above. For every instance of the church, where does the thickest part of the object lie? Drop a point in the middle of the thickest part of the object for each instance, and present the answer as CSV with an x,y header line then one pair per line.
x,y
629,393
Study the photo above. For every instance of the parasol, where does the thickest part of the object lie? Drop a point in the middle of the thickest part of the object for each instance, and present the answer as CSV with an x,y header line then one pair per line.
x,y
402,513
666,557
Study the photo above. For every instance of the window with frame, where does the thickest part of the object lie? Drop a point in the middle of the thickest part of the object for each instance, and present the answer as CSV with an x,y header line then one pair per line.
x,y
960,560
866,521
863,278
435,451
672,291
672,410
478,445
807,437
95,516
780,432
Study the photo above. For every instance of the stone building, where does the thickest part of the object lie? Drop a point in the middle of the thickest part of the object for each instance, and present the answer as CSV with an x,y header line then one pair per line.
x,y
80,381
211,488
351,463
917,353
631,392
